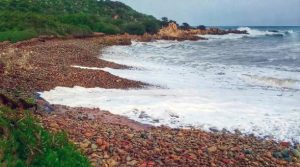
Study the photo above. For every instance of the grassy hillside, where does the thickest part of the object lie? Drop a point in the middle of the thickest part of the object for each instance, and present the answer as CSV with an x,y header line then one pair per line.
x,y
24,19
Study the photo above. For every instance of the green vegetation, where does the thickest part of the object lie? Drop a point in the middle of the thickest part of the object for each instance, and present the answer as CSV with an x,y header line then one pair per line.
x,y
16,35
23,142
24,19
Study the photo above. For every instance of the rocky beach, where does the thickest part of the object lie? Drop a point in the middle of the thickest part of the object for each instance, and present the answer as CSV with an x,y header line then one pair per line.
x,y
123,83
42,64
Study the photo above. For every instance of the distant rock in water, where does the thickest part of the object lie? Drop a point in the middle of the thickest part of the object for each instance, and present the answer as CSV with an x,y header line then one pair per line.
x,y
273,31
217,31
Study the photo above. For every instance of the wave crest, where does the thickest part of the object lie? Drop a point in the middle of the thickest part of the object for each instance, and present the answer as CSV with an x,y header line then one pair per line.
x,y
255,32
251,33
273,82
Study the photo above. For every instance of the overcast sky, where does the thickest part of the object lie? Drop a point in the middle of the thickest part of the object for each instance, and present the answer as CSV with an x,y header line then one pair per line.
x,y
223,12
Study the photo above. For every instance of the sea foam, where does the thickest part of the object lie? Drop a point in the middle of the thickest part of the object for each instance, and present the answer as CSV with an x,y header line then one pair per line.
x,y
193,85
252,32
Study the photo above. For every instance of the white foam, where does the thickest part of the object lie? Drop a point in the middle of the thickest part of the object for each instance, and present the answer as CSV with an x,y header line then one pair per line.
x,y
251,33
87,68
273,82
202,95
226,36
254,32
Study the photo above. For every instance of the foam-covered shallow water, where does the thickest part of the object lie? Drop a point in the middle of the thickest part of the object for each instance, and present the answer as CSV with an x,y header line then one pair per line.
x,y
250,83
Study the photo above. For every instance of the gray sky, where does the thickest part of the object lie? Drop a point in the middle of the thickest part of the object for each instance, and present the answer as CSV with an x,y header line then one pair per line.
x,y
223,12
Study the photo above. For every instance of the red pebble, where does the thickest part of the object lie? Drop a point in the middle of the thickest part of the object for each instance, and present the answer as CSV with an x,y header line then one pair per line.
x,y
143,164
151,164
285,144
226,161
242,156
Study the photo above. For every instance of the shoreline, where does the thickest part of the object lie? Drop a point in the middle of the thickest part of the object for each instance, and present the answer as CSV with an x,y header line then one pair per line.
x,y
90,129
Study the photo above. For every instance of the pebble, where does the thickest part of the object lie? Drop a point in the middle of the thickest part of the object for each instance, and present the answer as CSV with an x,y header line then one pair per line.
x,y
282,162
88,134
111,162
285,144
285,153
144,136
84,145
99,142
106,156
94,155
277,155
269,154
94,147
212,149
242,156
130,136
247,151
132,163
128,158
54,125
296,153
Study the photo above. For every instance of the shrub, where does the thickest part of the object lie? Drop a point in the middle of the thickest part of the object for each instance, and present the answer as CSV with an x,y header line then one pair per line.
x,y
15,35
201,27
135,29
25,143
185,26
80,31
106,28
164,21
151,26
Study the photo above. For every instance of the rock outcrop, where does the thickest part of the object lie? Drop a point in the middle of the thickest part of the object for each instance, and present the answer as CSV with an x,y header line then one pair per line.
x,y
172,32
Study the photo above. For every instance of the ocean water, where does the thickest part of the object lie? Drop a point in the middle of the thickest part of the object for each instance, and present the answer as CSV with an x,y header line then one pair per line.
x,y
246,82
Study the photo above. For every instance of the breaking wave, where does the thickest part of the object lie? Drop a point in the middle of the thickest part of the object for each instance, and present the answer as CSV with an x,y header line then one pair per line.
x,y
255,32
252,32
273,82
252,86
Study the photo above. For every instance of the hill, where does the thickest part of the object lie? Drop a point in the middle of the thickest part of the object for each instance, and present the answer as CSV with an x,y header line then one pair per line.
x,y
24,19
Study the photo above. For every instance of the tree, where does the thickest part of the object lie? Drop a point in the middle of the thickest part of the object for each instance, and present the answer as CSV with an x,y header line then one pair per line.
x,y
151,26
185,26
173,21
135,28
164,21
201,27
